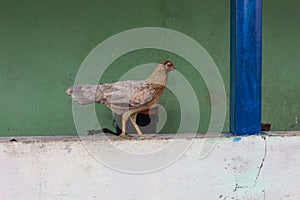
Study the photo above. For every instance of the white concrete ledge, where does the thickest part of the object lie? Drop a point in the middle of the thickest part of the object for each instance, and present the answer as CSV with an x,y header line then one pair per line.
x,y
100,167
157,137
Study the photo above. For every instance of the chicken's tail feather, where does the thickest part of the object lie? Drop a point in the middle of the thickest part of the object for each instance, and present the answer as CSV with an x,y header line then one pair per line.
x,y
85,94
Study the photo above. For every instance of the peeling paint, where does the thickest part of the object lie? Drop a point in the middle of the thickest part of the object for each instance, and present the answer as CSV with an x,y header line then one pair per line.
x,y
237,139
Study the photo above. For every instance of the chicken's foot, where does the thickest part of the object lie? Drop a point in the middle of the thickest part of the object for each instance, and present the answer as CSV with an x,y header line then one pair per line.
x,y
133,121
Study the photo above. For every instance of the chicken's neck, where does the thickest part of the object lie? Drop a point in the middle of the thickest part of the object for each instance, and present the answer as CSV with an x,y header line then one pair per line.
x,y
159,76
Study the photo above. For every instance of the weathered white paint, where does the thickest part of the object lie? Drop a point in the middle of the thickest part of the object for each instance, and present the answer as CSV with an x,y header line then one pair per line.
x,y
63,168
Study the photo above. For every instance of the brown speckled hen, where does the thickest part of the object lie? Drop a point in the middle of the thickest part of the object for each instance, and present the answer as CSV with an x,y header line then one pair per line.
x,y
126,98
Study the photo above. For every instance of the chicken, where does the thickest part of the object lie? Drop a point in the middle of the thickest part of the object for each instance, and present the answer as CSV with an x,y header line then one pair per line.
x,y
126,98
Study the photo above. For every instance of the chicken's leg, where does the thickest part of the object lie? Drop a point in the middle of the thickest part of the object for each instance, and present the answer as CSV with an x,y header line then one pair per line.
x,y
124,119
133,120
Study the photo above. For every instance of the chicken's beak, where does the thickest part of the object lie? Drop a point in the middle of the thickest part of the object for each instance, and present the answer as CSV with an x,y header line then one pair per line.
x,y
173,68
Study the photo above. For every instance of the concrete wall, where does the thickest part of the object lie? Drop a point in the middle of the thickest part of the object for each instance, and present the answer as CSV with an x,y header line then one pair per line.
x,y
67,168
44,43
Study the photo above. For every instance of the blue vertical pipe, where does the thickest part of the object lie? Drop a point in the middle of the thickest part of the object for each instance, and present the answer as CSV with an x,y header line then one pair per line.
x,y
245,66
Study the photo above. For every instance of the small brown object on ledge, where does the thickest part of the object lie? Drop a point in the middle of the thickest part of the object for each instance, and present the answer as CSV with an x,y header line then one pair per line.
x,y
265,126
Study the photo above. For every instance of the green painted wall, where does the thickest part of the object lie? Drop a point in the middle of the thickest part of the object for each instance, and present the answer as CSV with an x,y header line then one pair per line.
x,y
281,68
42,44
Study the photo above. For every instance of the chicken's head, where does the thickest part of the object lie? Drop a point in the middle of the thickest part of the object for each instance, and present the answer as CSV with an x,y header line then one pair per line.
x,y
169,66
